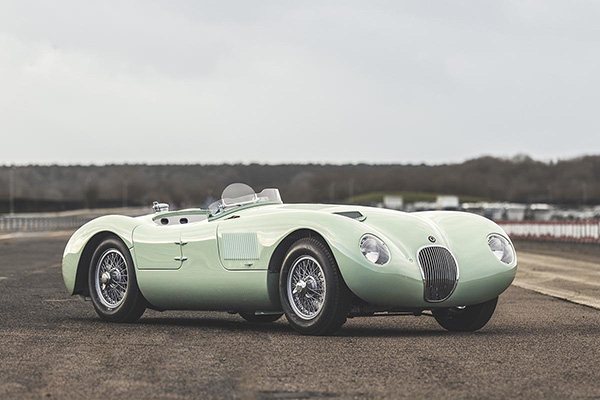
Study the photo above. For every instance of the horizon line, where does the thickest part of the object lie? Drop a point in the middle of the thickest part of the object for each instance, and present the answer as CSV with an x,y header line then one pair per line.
x,y
519,157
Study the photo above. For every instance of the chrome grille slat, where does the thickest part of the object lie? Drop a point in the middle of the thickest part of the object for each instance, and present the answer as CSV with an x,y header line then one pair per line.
x,y
440,272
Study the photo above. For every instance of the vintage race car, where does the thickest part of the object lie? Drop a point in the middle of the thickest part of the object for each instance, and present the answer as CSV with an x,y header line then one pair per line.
x,y
318,264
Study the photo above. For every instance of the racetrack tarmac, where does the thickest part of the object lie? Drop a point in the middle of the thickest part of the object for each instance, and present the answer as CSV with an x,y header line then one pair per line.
x,y
54,346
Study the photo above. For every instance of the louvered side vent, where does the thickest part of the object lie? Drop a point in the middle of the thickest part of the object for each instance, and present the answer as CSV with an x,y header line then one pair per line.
x,y
440,272
240,246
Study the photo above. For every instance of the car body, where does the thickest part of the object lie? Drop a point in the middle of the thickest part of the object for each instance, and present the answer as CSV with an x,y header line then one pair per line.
x,y
230,260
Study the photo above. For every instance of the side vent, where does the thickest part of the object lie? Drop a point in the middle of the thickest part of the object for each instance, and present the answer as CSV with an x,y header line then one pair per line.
x,y
357,215
240,246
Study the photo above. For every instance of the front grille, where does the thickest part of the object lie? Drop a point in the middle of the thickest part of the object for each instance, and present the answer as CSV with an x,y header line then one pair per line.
x,y
440,272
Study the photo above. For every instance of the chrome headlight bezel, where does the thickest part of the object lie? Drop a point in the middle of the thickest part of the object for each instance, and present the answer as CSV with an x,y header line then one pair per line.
x,y
374,249
501,248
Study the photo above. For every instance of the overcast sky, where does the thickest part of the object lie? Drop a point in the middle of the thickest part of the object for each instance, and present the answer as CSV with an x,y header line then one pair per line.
x,y
338,81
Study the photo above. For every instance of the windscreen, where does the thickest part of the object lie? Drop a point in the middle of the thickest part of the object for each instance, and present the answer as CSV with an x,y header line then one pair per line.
x,y
237,193
240,194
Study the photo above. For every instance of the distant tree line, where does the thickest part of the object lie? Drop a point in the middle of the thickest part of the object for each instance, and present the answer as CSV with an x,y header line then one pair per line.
x,y
520,179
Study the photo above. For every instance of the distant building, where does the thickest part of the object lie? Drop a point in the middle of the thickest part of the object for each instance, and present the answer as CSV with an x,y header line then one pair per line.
x,y
497,211
540,212
447,203
493,211
515,212
393,202
535,212
421,206
475,208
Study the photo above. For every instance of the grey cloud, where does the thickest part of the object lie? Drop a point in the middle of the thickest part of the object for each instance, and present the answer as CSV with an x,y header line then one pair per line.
x,y
340,81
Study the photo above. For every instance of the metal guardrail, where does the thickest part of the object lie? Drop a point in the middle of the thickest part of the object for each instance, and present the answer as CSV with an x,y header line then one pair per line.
x,y
37,224
69,220
584,231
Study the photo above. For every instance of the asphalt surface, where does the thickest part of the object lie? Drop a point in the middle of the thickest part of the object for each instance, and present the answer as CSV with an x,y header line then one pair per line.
x,y
54,346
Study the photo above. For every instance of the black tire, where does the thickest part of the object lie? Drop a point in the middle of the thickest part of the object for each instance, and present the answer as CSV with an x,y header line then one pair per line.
x,y
470,319
260,319
133,305
337,298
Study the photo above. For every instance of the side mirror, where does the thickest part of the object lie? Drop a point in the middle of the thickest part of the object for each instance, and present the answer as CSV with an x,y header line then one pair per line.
x,y
160,207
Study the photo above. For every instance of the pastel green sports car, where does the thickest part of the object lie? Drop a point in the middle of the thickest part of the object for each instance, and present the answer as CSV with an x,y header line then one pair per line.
x,y
318,264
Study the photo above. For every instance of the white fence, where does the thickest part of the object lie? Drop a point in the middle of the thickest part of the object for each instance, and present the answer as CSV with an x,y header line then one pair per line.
x,y
584,231
69,220
36,224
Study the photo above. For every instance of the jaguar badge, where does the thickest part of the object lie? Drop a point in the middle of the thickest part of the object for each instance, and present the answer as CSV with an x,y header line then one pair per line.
x,y
431,239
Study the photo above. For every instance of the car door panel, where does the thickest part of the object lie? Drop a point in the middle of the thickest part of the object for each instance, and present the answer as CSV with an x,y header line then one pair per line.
x,y
158,247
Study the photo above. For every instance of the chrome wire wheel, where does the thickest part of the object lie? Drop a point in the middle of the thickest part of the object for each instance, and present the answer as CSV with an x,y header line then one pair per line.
x,y
111,278
306,287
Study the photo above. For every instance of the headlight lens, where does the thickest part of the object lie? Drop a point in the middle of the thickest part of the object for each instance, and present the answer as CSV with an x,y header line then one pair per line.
x,y
374,249
501,248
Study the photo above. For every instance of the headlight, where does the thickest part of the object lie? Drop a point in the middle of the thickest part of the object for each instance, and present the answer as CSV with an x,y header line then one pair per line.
x,y
501,248
374,249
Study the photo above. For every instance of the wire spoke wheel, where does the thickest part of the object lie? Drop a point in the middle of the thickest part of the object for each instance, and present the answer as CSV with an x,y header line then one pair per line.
x,y
312,292
306,287
111,278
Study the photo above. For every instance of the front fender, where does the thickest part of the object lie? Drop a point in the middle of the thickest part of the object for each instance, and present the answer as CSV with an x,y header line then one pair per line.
x,y
399,283
118,225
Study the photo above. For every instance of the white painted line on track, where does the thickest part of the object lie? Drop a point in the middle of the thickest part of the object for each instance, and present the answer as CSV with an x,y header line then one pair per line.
x,y
576,281
533,261
567,295
540,277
